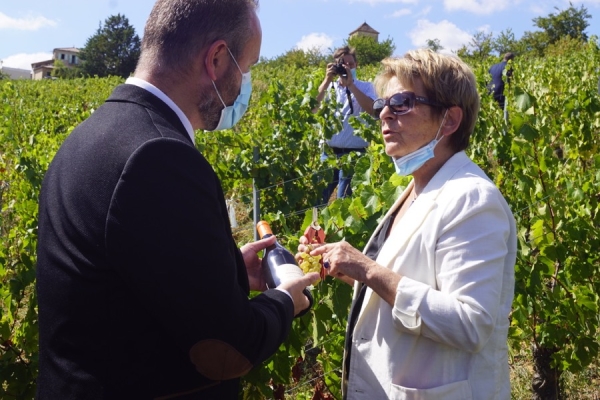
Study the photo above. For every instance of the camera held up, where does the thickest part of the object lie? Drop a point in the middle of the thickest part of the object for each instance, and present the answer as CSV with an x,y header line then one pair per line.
x,y
339,68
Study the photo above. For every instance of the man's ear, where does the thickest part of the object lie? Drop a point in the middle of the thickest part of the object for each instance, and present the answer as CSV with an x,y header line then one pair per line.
x,y
215,61
453,119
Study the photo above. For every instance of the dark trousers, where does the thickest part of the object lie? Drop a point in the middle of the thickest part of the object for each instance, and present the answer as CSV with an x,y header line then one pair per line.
x,y
341,180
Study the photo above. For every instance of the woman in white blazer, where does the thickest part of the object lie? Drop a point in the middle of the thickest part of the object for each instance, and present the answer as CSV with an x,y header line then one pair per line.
x,y
434,285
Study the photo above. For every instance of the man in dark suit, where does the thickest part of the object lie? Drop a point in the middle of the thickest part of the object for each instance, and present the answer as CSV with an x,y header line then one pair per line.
x,y
496,87
142,290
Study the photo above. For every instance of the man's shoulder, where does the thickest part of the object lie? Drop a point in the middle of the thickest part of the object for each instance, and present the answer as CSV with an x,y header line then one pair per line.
x,y
359,83
498,66
366,87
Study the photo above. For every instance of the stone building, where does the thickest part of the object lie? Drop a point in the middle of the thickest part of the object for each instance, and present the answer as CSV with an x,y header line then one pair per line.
x,y
365,30
67,55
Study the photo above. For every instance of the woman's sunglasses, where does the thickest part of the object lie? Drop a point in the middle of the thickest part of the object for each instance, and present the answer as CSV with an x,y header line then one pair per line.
x,y
400,103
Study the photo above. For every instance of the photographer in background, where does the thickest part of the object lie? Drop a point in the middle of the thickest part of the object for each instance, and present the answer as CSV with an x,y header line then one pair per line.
x,y
352,97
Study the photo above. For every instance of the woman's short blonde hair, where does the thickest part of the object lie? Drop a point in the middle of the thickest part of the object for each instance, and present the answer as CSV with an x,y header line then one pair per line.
x,y
447,81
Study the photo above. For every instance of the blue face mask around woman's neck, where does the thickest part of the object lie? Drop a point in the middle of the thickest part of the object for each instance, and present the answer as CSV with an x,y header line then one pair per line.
x,y
411,162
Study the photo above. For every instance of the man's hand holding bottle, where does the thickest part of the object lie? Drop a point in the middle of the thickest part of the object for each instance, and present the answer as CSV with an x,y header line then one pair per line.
x,y
278,269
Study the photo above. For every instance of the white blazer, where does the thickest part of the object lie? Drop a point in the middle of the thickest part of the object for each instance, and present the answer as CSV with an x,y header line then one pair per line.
x,y
446,335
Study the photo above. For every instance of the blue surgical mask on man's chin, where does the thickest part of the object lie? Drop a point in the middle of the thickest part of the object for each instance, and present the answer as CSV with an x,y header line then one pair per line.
x,y
409,163
230,115
353,72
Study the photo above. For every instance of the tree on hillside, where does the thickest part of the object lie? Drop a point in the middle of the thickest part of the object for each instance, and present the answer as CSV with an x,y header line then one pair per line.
x,y
571,22
298,58
534,43
369,51
479,48
113,50
434,44
481,43
63,72
505,42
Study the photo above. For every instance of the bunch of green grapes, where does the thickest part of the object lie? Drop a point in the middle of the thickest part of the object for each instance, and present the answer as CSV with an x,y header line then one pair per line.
x,y
310,263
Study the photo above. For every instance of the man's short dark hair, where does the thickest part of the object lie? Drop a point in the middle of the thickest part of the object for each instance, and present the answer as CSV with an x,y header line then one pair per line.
x,y
344,51
509,56
177,30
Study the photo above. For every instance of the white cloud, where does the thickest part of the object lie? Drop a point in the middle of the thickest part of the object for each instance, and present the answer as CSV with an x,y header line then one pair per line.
x,y
28,23
537,9
477,6
450,36
319,41
424,11
399,13
485,28
24,61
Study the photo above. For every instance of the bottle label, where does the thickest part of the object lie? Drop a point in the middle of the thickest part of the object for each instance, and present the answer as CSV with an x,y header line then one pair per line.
x,y
285,272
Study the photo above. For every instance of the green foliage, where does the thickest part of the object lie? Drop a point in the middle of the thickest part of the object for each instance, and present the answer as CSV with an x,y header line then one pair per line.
x,y
560,32
505,42
481,45
62,71
369,51
434,44
113,50
571,23
544,159
533,42
478,49
35,117
297,59
564,47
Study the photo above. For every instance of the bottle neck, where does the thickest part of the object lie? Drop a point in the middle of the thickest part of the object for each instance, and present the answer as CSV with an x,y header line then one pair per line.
x,y
264,229
271,247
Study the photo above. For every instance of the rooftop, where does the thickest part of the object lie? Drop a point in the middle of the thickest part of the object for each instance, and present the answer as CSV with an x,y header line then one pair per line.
x,y
71,49
364,28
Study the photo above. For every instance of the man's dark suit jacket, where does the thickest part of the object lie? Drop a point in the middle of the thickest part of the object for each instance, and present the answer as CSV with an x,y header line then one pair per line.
x,y
137,265
496,87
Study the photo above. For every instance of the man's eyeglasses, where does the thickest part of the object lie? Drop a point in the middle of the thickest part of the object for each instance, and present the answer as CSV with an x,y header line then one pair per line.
x,y
400,103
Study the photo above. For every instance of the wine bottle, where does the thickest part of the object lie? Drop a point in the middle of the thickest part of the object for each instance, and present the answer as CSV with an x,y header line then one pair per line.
x,y
279,264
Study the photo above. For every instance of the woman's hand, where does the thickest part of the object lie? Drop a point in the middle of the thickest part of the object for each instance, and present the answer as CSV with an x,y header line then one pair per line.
x,y
303,247
344,262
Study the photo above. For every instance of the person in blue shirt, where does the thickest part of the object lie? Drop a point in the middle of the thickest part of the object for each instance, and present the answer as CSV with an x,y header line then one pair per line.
x,y
497,85
352,96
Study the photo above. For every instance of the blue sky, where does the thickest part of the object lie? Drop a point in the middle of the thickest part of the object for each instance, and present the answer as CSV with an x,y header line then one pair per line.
x,y
30,30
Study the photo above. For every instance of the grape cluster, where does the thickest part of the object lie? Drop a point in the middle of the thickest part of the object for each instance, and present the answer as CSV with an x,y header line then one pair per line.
x,y
310,263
